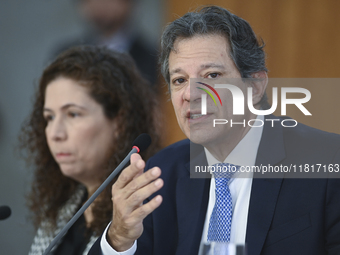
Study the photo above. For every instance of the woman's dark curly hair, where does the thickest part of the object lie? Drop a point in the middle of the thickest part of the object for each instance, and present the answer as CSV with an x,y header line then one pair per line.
x,y
112,81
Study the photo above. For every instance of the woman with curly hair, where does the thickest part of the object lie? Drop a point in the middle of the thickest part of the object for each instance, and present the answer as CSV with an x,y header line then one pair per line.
x,y
90,106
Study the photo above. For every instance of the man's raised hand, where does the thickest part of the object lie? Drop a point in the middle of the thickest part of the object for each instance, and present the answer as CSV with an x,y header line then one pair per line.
x,y
128,193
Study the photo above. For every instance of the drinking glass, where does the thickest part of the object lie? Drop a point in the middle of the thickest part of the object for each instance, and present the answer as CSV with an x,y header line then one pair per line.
x,y
220,248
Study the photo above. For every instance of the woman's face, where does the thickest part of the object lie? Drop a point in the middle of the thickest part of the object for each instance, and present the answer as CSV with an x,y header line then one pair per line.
x,y
78,133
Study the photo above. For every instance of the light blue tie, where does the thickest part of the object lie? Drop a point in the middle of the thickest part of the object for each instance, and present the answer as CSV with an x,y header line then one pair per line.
x,y
220,220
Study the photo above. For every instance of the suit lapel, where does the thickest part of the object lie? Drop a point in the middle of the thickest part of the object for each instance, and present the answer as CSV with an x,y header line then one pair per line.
x,y
192,195
264,192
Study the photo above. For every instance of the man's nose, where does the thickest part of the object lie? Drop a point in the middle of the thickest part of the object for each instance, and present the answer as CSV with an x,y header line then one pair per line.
x,y
186,93
192,93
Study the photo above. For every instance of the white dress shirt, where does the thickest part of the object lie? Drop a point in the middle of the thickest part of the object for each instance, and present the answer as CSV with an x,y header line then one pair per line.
x,y
244,154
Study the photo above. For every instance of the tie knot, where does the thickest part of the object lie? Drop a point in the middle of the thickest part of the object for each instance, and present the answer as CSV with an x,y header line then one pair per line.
x,y
223,173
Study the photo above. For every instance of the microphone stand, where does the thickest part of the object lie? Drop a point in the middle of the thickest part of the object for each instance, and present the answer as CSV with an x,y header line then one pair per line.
x,y
90,200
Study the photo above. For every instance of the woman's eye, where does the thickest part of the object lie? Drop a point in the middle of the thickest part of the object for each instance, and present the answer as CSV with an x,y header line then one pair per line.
x,y
73,114
48,118
213,75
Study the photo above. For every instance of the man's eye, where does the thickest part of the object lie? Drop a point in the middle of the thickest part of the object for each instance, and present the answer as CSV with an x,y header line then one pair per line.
x,y
213,75
179,81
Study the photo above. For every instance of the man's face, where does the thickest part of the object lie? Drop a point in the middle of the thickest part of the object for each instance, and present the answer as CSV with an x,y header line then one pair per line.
x,y
106,15
204,57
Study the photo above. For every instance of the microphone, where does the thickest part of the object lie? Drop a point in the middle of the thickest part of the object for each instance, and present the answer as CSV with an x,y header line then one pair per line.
x,y
5,212
141,143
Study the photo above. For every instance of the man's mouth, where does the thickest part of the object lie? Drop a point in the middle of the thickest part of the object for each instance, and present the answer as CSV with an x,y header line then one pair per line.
x,y
195,116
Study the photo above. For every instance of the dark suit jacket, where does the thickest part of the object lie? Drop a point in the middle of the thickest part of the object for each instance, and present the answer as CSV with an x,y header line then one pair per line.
x,y
144,55
286,216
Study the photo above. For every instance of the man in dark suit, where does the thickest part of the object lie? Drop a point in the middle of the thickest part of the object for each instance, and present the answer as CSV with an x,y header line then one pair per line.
x,y
109,21
277,215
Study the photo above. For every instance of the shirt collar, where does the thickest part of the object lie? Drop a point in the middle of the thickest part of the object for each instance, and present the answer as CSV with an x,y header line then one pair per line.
x,y
244,154
119,41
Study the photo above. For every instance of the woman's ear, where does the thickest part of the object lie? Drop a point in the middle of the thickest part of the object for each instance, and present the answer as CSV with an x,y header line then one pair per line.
x,y
259,83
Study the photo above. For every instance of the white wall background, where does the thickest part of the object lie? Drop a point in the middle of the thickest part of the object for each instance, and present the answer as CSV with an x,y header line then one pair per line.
x,y
30,31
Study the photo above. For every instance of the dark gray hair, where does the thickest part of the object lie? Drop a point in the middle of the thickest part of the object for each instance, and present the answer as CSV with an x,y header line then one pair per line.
x,y
245,50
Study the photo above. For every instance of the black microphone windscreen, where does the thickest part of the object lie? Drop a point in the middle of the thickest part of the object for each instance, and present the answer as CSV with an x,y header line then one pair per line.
x,y
5,212
143,141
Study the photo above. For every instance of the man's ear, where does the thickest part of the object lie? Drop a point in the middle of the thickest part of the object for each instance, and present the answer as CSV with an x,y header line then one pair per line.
x,y
259,84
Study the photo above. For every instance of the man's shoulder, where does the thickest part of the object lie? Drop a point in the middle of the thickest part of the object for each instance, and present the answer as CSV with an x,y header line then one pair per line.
x,y
302,132
300,144
172,159
176,151
312,135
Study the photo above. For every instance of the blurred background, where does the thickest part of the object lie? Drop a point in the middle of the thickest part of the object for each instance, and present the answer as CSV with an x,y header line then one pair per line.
x,y
302,41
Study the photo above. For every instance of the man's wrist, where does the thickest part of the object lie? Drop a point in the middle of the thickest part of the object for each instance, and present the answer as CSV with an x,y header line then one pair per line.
x,y
117,243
